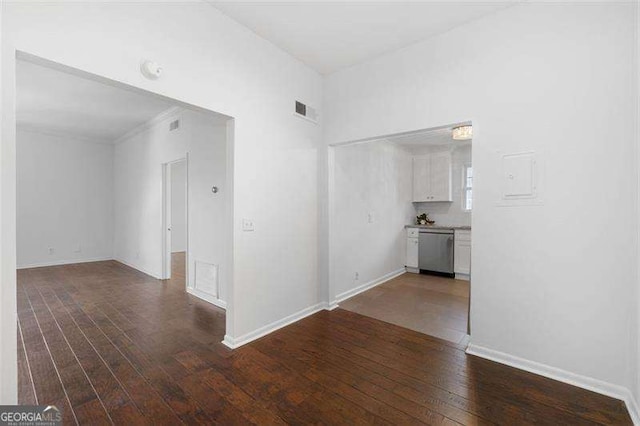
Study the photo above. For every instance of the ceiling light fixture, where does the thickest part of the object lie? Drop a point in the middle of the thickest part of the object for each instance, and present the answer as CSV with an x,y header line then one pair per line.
x,y
462,133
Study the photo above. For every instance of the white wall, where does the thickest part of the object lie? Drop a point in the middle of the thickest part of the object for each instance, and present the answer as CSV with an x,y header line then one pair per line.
x,y
138,192
179,205
8,316
452,213
553,283
65,199
370,178
636,354
215,63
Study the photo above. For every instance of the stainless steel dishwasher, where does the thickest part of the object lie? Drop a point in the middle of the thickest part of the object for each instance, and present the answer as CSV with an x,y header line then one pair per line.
x,y
435,251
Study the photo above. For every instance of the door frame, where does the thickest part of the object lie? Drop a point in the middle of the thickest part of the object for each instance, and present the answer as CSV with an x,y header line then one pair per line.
x,y
333,299
166,218
8,300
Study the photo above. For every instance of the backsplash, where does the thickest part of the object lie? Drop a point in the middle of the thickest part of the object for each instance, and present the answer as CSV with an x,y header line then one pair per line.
x,y
450,213
445,213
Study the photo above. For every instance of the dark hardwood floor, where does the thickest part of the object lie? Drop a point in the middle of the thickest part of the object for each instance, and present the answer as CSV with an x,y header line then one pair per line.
x,y
109,344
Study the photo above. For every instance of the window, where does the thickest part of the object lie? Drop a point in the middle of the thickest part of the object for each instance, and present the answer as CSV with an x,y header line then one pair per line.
x,y
467,185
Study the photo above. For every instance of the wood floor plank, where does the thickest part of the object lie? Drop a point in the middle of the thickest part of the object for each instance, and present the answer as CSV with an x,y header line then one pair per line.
x,y
26,392
74,379
308,354
46,380
136,383
224,408
335,377
591,406
443,372
109,344
414,387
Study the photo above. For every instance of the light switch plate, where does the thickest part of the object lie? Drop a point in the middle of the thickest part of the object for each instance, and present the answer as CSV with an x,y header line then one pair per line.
x,y
247,225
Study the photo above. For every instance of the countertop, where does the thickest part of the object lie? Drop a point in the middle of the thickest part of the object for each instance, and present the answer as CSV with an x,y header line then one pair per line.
x,y
462,228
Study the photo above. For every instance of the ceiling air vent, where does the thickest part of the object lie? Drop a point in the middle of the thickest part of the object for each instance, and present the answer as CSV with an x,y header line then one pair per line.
x,y
306,112
174,125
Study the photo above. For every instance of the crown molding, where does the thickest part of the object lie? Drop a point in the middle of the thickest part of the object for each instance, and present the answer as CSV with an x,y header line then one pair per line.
x,y
173,111
60,134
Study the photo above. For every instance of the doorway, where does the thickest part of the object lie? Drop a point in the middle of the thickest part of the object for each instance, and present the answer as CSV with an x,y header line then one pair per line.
x,y
93,165
400,230
176,213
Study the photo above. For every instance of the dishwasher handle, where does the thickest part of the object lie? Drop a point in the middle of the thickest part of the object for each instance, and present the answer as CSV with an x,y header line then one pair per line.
x,y
436,231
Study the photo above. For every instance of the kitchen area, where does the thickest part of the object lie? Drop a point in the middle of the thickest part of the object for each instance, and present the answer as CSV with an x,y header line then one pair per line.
x,y
415,192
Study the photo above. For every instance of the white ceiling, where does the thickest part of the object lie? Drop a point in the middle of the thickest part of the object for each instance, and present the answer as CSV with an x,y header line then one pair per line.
x,y
67,104
329,36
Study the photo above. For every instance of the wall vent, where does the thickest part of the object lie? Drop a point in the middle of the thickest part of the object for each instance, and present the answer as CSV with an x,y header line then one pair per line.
x,y
206,278
174,125
305,111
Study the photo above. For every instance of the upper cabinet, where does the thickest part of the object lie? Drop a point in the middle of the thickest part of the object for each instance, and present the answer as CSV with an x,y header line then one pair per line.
x,y
432,177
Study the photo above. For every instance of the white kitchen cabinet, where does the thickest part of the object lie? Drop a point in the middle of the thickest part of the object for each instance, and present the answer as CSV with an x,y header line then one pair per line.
x,y
421,178
432,177
412,249
462,254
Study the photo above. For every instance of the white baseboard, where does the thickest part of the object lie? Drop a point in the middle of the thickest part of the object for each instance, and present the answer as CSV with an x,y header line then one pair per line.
x,y
207,297
330,306
234,343
464,277
144,271
585,382
632,406
366,286
64,262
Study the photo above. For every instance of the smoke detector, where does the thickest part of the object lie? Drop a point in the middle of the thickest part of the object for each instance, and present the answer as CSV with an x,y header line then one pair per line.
x,y
151,70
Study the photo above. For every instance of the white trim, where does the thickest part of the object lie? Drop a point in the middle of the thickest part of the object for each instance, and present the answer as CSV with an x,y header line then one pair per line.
x,y
64,262
366,286
632,407
138,268
407,133
165,272
167,189
330,306
466,188
234,343
585,382
207,297
47,131
149,124
225,279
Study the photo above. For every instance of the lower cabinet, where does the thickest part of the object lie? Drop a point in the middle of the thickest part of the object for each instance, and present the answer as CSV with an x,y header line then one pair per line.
x,y
462,254
412,252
